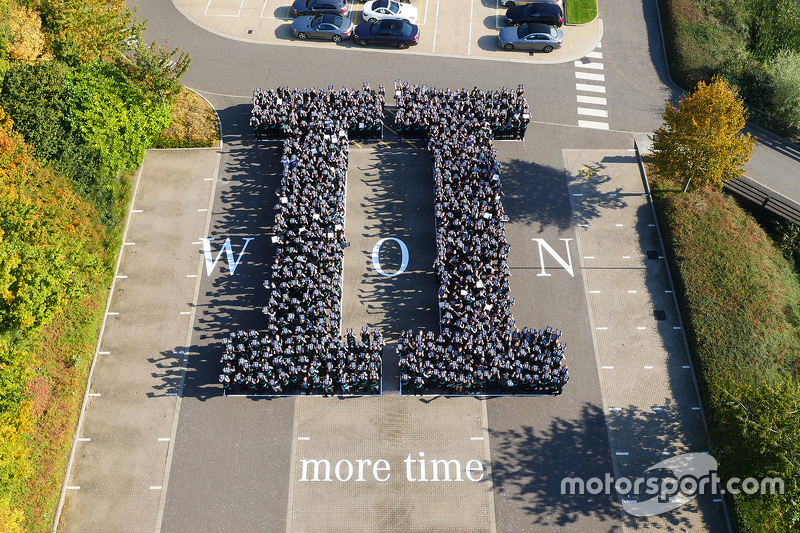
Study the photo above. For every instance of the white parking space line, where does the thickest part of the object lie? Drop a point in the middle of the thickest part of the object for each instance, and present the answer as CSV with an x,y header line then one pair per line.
x,y
595,66
590,88
589,76
469,41
595,55
435,26
593,112
596,100
425,14
263,8
593,125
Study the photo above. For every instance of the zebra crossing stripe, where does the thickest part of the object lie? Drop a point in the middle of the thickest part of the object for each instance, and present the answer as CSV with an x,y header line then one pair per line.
x,y
590,88
589,76
596,100
596,66
593,125
593,112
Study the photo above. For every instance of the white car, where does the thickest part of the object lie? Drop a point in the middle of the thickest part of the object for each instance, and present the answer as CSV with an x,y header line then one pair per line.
x,y
389,9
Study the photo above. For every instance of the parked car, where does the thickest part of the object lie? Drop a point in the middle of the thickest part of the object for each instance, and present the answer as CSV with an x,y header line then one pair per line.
x,y
512,3
393,32
544,12
531,37
329,27
301,8
389,9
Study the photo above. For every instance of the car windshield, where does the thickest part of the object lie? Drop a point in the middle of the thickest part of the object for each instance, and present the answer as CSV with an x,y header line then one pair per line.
x,y
522,32
316,21
527,10
406,28
332,19
394,7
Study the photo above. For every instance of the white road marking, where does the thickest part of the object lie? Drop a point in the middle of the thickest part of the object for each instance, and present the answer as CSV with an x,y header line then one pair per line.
x,y
607,367
640,327
676,327
631,292
94,394
590,88
186,312
192,276
104,353
648,368
469,42
685,366
476,438
595,66
622,453
592,125
202,210
136,210
596,100
155,487
615,408
589,76
163,439
435,27
83,439
113,314
593,112
130,244
603,328
303,438
73,487
122,277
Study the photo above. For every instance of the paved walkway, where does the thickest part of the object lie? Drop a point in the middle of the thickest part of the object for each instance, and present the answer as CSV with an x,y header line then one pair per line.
x,y
120,464
652,406
449,28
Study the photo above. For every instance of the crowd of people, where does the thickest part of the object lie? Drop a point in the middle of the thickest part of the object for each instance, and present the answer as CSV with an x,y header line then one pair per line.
x,y
479,349
304,319
478,333
291,361
278,112
504,112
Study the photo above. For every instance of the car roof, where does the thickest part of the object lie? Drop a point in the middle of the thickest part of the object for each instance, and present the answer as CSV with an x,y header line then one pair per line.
x,y
537,27
544,6
331,19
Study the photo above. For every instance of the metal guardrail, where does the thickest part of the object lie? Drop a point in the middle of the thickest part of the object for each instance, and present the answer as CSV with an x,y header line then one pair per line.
x,y
765,198
774,124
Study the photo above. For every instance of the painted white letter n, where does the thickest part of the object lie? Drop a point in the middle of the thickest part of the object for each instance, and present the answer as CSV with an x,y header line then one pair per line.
x,y
566,265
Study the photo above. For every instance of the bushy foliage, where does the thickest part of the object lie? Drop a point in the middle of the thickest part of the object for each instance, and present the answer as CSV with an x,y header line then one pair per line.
x,y
701,142
194,124
47,239
741,304
733,38
758,435
22,29
154,70
112,117
784,71
83,30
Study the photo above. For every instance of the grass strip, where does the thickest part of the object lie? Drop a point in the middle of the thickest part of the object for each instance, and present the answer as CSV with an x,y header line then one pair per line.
x,y
581,11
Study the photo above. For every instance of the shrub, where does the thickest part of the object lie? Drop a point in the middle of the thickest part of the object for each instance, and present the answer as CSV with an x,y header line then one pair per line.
x,y
784,72
194,124
112,118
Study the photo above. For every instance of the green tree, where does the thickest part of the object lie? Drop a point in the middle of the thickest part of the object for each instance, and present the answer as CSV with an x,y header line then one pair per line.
x,y
82,30
701,140
154,70
784,72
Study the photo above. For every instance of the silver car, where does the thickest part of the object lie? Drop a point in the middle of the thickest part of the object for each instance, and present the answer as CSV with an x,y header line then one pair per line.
x,y
531,37
329,27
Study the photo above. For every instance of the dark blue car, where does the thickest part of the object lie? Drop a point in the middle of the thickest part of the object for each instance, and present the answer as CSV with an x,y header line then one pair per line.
x,y
394,32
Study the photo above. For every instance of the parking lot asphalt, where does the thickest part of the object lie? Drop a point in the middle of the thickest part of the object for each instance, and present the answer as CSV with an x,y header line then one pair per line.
x,y
237,463
448,28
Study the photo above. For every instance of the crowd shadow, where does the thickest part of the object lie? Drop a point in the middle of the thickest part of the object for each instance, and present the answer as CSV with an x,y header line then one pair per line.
x,y
249,175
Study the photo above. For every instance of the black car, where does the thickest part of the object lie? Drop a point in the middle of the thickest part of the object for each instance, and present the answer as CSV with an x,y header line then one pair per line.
x,y
318,7
394,32
539,12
